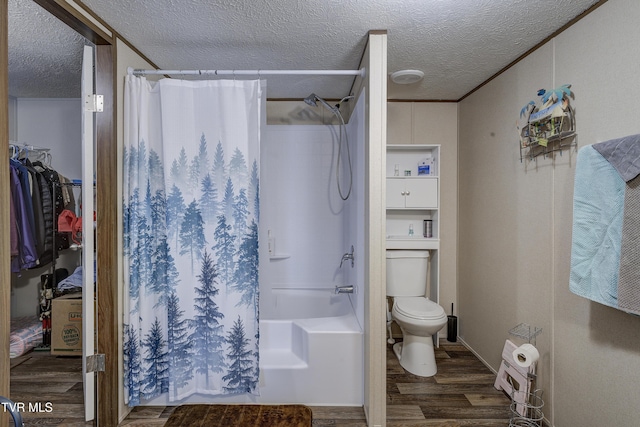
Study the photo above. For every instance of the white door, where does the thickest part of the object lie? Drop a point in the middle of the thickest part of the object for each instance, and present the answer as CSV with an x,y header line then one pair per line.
x,y
421,193
88,254
395,193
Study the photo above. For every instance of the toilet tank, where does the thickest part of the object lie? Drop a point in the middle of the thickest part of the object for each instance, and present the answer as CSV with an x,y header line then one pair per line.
x,y
407,272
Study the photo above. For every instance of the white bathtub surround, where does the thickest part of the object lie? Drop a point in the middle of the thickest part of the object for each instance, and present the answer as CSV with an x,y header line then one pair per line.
x,y
312,360
311,343
310,349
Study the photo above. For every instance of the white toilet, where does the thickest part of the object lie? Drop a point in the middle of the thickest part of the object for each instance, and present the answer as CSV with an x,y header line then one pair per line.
x,y
418,317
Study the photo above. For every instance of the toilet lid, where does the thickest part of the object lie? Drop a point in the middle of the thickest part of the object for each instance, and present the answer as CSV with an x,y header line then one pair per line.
x,y
418,308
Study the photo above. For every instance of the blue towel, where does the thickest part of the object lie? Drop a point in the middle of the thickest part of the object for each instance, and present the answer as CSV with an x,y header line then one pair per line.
x,y
598,208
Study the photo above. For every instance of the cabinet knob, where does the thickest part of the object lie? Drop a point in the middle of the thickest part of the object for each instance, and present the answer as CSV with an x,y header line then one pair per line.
x,y
403,193
408,192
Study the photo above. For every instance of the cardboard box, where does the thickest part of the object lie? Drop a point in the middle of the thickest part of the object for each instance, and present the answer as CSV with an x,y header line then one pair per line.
x,y
66,325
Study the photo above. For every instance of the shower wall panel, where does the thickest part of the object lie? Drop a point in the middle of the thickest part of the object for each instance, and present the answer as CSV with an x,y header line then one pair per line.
x,y
301,213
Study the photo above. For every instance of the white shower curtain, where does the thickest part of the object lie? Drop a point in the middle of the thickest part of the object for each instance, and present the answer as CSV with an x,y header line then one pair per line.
x,y
191,208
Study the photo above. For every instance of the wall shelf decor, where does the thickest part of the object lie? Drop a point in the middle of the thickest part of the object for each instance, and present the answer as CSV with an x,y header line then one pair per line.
x,y
549,125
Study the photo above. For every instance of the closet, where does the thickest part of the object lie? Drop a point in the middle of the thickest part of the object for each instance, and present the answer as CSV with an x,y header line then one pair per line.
x,y
46,133
45,237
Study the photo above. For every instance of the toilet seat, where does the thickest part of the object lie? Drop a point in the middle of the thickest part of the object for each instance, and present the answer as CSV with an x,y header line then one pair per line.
x,y
420,308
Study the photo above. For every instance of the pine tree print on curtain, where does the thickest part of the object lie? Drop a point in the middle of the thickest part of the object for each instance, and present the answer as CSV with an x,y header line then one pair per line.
x,y
190,221
240,376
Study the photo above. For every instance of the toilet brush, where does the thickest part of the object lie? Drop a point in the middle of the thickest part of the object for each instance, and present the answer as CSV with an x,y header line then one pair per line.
x,y
452,327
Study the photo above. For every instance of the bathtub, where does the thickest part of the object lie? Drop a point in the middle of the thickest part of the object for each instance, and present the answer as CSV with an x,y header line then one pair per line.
x,y
311,349
311,352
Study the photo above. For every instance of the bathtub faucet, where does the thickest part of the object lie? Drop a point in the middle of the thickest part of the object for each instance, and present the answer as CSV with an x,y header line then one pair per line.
x,y
348,289
346,257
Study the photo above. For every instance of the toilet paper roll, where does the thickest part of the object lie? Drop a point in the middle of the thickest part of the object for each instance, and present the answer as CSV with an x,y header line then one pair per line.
x,y
525,355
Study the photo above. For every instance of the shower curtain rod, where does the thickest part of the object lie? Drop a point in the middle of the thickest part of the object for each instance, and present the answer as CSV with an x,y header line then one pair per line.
x,y
141,72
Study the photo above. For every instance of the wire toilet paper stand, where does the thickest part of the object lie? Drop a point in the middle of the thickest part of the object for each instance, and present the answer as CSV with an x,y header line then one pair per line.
x,y
526,409
526,401
525,332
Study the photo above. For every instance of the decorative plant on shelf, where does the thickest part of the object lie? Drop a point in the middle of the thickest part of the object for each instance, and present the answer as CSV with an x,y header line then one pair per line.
x,y
549,121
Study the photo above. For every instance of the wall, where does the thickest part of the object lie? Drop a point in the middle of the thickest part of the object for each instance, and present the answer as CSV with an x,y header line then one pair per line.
x,y
309,222
354,211
56,124
13,118
299,154
125,57
302,210
516,217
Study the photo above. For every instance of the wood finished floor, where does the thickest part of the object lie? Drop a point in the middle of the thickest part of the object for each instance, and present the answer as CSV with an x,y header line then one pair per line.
x,y
38,378
461,394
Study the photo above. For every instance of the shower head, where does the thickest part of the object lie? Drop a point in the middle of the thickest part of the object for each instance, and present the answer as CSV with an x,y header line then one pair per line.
x,y
313,100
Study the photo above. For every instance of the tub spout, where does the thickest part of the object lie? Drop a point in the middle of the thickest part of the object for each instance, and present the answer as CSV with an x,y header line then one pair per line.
x,y
348,289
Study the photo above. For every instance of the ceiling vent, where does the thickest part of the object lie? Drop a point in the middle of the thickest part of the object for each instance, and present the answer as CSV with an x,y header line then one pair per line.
x,y
407,77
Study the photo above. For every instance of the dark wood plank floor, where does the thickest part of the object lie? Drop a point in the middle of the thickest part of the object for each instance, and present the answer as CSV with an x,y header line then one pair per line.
x,y
50,387
461,394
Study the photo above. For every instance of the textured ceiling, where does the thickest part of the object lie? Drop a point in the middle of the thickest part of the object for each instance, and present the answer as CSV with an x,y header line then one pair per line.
x,y
457,43
45,55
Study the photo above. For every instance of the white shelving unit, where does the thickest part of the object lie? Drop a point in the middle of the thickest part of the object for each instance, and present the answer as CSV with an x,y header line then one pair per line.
x,y
413,196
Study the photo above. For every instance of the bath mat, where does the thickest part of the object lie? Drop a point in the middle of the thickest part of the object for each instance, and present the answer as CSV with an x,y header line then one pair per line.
x,y
240,416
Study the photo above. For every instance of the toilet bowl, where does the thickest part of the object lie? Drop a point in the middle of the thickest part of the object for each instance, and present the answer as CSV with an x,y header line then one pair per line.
x,y
418,317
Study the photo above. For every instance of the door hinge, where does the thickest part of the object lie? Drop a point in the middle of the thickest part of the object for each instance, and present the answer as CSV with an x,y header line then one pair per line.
x,y
94,103
95,363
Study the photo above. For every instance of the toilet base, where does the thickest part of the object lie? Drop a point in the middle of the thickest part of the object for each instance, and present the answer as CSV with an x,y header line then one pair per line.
x,y
416,355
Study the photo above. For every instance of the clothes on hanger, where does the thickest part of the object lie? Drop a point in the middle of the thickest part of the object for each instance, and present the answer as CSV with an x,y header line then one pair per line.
x,y
37,199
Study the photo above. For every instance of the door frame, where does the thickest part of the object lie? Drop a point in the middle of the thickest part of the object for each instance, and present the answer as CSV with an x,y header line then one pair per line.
x,y
95,30
5,254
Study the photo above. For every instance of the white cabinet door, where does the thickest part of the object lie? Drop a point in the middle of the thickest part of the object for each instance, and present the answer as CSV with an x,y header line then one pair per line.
x,y
421,193
395,193
412,193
